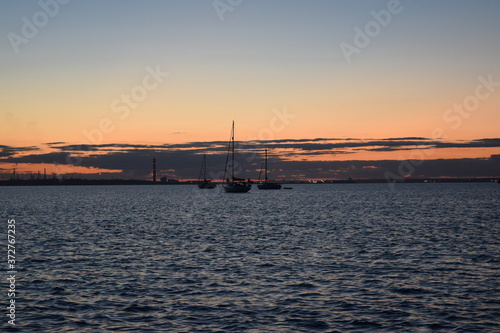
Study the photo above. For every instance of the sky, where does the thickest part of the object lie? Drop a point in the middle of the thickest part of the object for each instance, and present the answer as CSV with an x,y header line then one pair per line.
x,y
335,89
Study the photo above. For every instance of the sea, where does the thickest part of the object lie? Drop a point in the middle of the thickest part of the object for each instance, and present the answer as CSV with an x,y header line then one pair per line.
x,y
315,258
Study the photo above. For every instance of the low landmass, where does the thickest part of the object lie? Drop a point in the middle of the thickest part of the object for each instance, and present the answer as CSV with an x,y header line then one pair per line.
x,y
68,182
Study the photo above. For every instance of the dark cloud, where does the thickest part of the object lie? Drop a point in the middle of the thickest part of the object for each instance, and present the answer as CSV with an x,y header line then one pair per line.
x,y
8,151
50,158
480,143
54,143
184,160
318,144
130,147
326,145
77,148
392,148
407,138
103,147
316,153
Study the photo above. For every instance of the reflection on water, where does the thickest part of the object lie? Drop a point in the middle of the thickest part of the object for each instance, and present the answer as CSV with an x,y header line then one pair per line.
x,y
326,258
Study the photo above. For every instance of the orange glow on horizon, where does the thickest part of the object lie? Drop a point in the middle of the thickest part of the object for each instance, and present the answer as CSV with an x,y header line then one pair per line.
x,y
27,169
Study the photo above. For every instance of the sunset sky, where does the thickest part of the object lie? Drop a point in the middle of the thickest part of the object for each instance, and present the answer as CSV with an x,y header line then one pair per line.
x,y
335,89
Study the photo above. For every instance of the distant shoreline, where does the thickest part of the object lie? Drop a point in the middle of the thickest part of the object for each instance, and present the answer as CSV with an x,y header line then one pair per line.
x,y
73,182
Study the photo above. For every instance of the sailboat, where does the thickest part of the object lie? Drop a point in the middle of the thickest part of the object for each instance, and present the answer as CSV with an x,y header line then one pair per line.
x,y
205,183
267,184
233,184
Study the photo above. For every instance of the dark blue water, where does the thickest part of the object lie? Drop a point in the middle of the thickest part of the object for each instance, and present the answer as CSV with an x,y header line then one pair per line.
x,y
318,258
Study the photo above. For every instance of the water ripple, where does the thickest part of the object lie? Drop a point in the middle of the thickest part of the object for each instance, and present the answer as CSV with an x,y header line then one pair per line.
x,y
340,258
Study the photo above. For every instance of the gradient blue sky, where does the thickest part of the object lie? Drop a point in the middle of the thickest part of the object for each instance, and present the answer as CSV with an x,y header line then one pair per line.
x,y
265,55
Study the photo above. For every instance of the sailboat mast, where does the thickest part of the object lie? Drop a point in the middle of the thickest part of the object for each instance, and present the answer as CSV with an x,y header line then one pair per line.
x,y
232,157
266,164
205,167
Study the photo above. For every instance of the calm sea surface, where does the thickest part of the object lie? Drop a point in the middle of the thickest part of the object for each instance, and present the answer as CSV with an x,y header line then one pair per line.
x,y
318,258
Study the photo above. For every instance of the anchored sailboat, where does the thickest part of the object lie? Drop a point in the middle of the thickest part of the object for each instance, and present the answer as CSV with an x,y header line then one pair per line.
x,y
205,183
268,184
233,184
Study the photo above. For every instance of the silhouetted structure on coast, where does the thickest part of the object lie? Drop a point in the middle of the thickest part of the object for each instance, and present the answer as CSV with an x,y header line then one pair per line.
x,y
55,180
